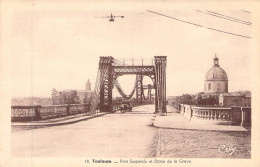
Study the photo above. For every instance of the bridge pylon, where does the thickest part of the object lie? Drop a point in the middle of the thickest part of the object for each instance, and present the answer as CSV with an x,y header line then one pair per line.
x,y
160,84
106,86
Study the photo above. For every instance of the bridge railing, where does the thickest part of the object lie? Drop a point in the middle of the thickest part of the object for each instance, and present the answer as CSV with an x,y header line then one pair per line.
x,y
38,112
133,62
24,113
207,113
225,115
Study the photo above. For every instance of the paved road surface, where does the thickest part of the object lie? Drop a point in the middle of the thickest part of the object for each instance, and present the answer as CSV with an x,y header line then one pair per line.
x,y
127,135
112,135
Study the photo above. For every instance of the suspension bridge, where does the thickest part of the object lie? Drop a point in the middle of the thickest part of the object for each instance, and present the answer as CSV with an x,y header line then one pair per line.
x,y
111,69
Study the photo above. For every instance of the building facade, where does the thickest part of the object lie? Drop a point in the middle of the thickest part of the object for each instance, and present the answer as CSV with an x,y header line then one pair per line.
x,y
231,100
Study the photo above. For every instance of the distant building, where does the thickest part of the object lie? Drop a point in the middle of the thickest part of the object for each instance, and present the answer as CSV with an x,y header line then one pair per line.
x,y
216,80
215,103
231,99
216,85
74,96
88,86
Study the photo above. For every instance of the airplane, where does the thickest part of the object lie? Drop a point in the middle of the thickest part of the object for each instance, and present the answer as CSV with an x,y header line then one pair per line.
x,y
111,18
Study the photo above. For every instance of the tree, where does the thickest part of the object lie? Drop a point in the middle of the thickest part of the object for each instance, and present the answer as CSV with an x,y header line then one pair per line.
x,y
85,100
198,100
72,98
211,100
186,99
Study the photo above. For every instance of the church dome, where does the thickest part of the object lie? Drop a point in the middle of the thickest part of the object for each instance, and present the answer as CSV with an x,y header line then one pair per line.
x,y
216,80
216,72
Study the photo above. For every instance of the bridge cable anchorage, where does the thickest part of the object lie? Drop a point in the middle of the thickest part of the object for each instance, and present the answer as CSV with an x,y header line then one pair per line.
x,y
121,92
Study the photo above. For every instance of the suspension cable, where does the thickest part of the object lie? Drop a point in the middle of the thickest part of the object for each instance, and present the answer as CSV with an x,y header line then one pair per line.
x,y
121,92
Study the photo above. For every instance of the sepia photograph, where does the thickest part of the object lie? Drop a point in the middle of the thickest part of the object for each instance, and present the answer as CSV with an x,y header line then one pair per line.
x,y
134,83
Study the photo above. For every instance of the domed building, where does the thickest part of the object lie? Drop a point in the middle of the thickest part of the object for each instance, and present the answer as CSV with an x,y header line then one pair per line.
x,y
216,80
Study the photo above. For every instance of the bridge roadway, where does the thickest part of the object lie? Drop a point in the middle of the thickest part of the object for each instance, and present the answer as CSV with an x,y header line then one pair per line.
x,y
112,135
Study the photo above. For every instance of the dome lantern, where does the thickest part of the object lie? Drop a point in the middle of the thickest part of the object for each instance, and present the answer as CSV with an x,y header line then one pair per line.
x,y
216,61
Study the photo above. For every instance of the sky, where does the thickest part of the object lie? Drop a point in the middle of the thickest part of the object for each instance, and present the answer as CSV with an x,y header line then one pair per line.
x,y
61,49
